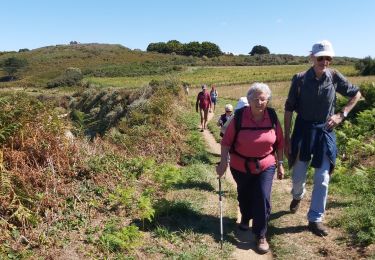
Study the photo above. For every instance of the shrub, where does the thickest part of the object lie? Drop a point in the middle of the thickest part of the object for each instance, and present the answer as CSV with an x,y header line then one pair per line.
x,y
366,66
145,209
70,77
167,175
356,144
117,239
34,154
94,111
12,65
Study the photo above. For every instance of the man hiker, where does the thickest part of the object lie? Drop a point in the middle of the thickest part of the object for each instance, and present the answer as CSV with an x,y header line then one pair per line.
x,y
312,96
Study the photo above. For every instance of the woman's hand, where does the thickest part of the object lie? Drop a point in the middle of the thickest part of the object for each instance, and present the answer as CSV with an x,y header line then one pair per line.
x,y
280,171
221,168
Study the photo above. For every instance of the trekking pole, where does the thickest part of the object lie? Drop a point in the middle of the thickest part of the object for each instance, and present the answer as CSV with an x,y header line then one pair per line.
x,y
221,215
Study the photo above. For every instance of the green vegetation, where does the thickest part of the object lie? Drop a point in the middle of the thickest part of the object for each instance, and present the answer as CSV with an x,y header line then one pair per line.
x,y
12,65
123,173
366,66
134,69
55,187
355,175
105,60
196,49
217,75
70,77
259,50
115,239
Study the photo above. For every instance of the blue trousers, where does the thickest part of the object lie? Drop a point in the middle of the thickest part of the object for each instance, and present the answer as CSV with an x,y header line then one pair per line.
x,y
320,190
254,197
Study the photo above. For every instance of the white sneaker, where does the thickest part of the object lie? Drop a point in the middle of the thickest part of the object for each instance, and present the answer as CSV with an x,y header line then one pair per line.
x,y
263,246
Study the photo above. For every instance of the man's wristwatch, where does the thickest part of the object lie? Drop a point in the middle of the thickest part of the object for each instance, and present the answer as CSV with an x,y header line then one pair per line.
x,y
280,162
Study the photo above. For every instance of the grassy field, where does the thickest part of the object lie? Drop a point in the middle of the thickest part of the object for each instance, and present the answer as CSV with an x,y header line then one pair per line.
x,y
220,76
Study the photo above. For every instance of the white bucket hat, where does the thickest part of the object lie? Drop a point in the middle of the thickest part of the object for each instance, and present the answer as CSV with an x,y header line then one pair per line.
x,y
323,48
242,102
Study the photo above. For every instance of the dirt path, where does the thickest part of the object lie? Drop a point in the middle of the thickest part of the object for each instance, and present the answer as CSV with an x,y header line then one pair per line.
x,y
288,234
245,246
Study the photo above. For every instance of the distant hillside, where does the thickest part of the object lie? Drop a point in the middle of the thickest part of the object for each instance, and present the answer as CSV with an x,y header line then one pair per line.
x,y
109,60
48,62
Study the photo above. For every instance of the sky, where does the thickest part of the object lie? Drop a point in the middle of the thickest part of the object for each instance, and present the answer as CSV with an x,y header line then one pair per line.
x,y
283,26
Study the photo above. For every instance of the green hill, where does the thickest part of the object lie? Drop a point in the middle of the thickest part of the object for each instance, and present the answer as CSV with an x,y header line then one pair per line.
x,y
48,62
114,60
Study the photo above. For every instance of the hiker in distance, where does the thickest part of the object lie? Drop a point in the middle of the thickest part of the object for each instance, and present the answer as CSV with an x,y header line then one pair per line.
x,y
312,96
254,140
242,102
204,104
224,118
214,96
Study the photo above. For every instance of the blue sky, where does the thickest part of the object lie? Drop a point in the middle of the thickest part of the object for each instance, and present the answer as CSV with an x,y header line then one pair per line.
x,y
285,27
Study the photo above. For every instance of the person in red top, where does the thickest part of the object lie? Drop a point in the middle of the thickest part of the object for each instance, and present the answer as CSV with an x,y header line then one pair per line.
x,y
204,102
255,154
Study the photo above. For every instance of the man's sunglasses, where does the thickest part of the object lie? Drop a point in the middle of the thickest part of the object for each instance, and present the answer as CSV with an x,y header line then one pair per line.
x,y
327,58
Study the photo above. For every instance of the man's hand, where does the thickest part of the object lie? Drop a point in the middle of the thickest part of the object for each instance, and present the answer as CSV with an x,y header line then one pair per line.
x,y
334,120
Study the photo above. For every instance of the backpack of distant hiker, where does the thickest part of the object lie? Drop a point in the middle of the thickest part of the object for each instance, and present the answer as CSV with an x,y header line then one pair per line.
x,y
238,127
213,94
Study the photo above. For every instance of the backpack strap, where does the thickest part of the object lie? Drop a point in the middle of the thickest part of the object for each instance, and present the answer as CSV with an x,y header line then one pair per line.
x,y
273,116
238,123
274,120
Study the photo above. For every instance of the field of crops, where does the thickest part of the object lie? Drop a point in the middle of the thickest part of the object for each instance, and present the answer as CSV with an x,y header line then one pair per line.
x,y
220,76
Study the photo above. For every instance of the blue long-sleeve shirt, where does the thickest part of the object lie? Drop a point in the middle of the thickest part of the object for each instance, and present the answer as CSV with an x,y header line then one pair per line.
x,y
314,101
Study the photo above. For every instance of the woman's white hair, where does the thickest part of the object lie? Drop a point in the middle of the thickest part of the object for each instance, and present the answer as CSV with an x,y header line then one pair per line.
x,y
259,87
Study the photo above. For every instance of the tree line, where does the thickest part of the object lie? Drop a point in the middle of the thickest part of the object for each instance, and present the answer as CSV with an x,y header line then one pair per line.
x,y
194,48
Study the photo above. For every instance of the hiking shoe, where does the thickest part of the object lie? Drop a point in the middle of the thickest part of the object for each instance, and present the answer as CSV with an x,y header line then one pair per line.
x,y
318,229
262,245
294,205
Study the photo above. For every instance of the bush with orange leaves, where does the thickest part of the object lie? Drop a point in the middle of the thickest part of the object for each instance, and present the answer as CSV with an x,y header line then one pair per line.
x,y
35,159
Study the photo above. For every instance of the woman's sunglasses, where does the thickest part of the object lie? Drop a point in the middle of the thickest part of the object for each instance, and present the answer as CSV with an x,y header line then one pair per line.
x,y
327,58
